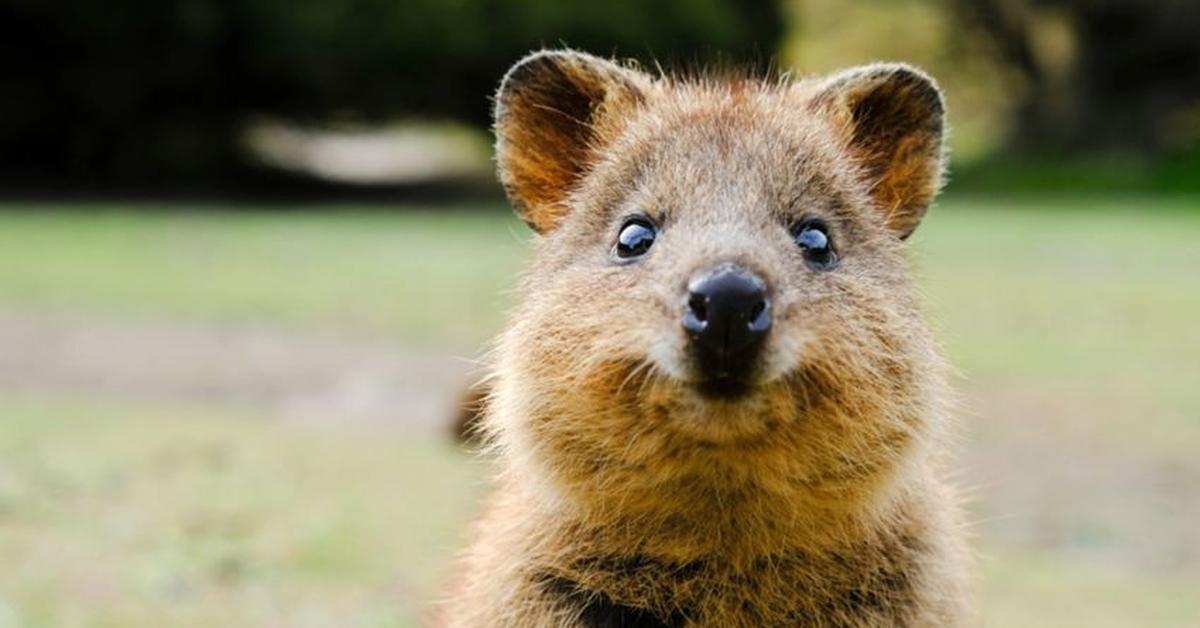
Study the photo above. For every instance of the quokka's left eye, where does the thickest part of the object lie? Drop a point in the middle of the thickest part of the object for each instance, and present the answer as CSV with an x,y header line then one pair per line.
x,y
813,238
636,237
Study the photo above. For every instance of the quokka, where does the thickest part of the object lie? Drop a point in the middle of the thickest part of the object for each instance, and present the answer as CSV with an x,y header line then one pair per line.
x,y
717,403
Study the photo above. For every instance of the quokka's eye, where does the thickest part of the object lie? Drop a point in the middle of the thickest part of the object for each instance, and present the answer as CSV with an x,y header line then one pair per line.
x,y
636,237
813,238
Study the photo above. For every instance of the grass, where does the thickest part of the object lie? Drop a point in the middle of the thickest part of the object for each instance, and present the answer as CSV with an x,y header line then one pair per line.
x,y
1036,590
420,276
1072,320
1085,296
114,514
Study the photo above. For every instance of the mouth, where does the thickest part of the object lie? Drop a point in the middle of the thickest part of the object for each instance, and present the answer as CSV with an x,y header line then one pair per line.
x,y
725,377
723,388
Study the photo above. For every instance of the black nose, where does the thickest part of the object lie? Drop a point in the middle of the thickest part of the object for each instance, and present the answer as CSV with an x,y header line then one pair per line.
x,y
727,316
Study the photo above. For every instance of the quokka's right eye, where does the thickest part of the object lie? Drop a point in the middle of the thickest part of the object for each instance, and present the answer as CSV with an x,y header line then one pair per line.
x,y
635,238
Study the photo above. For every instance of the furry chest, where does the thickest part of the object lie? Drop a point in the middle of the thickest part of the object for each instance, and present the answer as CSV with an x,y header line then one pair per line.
x,y
789,590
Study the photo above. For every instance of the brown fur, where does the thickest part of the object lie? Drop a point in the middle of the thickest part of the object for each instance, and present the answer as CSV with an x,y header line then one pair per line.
x,y
624,498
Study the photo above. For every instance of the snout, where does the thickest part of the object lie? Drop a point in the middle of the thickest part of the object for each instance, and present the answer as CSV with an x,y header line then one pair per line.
x,y
727,316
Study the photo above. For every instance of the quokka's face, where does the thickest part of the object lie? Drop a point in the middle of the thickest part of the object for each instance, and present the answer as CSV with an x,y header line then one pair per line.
x,y
719,259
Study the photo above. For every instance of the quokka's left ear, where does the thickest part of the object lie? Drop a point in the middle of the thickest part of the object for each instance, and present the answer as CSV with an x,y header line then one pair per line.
x,y
554,110
890,116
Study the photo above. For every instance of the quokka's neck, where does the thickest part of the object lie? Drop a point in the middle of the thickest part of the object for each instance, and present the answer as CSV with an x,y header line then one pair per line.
x,y
698,521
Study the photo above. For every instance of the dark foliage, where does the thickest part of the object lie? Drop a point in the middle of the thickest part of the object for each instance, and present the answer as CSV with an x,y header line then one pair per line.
x,y
157,91
1125,78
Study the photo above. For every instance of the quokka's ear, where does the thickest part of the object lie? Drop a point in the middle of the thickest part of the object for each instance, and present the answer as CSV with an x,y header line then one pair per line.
x,y
554,109
890,116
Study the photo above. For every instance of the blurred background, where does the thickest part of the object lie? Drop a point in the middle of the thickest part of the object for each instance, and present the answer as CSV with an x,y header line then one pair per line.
x,y
251,249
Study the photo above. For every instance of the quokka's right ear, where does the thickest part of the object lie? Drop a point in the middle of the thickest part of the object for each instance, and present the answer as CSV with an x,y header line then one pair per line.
x,y
554,109
891,118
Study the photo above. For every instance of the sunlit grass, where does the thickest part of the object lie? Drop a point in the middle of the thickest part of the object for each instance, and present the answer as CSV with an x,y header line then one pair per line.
x,y
1040,591
121,514
421,276
1086,296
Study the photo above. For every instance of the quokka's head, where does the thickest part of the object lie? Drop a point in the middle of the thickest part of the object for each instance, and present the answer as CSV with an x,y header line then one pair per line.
x,y
719,272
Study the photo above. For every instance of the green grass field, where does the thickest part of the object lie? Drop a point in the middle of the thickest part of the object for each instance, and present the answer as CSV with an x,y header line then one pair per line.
x,y
419,275
1073,322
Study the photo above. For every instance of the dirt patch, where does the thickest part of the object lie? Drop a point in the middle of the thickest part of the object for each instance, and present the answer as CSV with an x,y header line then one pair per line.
x,y
1080,473
309,377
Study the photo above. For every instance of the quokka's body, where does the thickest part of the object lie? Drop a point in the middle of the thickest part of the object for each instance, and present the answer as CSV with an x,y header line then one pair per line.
x,y
716,404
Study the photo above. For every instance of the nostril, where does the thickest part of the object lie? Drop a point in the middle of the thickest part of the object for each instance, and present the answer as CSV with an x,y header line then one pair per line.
x,y
760,316
698,305
757,310
695,314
